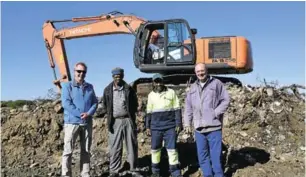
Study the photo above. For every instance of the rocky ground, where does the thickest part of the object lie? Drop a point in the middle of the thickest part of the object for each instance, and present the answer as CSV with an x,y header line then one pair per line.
x,y
264,130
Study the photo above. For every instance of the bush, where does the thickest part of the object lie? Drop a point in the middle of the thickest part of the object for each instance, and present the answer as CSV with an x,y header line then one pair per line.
x,y
51,96
15,104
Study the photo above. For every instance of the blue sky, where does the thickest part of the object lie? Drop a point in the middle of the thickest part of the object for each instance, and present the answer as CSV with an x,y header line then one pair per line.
x,y
275,29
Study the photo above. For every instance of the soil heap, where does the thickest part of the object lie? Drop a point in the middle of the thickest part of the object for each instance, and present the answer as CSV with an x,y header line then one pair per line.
x,y
263,135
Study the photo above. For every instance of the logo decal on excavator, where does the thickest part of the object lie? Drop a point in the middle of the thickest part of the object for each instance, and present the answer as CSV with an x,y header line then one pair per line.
x,y
79,30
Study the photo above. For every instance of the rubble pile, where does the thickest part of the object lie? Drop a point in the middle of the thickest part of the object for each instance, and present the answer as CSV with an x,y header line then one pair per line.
x,y
263,135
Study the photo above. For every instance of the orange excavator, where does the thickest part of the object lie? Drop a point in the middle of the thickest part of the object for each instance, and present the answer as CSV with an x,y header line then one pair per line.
x,y
168,47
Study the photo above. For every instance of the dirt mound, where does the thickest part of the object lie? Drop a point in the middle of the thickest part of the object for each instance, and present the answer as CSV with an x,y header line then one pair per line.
x,y
264,130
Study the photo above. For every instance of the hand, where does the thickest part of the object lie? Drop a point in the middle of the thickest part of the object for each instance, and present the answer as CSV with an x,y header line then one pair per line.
x,y
148,132
188,129
84,115
178,129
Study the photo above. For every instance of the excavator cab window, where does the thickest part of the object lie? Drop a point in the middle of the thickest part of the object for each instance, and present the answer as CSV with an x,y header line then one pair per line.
x,y
156,45
179,48
148,44
162,45
152,43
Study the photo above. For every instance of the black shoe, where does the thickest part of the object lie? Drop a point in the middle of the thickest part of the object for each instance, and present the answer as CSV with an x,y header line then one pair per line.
x,y
114,175
136,174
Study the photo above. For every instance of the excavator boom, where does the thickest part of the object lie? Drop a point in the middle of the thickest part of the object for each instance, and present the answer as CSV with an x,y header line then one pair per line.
x,y
107,24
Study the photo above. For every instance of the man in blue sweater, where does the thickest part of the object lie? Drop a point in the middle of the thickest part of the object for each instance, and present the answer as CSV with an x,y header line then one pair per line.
x,y
80,103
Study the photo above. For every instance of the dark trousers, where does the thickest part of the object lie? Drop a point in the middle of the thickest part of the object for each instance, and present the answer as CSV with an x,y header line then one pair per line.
x,y
169,136
123,131
209,150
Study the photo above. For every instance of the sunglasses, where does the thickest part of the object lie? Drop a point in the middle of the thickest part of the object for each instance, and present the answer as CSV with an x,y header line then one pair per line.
x,y
81,71
117,76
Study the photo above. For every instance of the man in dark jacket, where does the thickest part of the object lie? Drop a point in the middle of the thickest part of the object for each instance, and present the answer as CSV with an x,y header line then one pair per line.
x,y
120,104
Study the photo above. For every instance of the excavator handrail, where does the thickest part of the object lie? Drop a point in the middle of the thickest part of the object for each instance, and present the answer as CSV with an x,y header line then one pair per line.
x,y
89,18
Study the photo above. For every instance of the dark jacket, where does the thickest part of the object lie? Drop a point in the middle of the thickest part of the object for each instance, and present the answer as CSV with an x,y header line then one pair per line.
x,y
107,106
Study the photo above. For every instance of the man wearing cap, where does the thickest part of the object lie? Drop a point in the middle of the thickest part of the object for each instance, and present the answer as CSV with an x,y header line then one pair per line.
x,y
163,123
120,104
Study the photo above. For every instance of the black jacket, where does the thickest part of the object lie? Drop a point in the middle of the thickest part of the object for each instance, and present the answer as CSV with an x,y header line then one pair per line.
x,y
131,101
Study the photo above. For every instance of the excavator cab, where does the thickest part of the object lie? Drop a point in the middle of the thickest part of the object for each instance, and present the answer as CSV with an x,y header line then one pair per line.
x,y
165,47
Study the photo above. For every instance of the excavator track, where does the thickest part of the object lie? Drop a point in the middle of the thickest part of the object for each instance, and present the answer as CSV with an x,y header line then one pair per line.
x,y
143,86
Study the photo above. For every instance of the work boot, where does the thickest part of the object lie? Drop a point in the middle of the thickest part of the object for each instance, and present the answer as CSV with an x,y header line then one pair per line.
x,y
114,175
136,174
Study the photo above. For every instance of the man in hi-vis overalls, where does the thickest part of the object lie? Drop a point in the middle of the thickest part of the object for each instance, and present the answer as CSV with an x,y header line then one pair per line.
x,y
163,123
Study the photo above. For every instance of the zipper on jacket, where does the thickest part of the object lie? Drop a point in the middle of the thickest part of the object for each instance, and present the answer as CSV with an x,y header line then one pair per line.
x,y
83,91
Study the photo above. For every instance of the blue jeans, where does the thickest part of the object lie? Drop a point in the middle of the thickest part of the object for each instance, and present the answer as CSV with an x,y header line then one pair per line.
x,y
209,150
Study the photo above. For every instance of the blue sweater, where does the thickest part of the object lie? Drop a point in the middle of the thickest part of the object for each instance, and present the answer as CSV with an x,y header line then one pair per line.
x,y
76,100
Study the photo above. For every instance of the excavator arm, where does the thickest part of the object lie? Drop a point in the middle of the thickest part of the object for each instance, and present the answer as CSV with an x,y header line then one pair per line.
x,y
106,24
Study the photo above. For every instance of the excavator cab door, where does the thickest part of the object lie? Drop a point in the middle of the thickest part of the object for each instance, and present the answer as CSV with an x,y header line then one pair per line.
x,y
180,42
160,45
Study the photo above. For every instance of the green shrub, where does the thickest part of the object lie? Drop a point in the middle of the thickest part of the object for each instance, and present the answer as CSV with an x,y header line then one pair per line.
x,y
15,104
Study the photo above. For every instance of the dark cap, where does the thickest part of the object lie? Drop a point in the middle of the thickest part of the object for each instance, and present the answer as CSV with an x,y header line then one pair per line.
x,y
117,71
157,76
